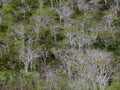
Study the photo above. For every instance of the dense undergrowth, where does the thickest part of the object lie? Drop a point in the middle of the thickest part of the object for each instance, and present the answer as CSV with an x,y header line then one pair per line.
x,y
59,45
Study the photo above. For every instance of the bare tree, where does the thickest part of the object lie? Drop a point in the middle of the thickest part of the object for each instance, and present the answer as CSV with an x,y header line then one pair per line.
x,y
117,3
109,20
69,57
70,37
80,38
27,55
83,6
44,55
26,52
92,65
42,23
5,2
51,79
64,12
37,26
41,3
95,2
100,64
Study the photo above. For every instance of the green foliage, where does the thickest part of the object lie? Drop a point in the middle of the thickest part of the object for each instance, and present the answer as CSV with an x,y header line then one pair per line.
x,y
47,38
32,4
114,86
113,45
3,29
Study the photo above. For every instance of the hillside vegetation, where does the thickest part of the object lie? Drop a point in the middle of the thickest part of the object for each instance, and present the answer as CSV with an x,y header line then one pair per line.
x,y
59,45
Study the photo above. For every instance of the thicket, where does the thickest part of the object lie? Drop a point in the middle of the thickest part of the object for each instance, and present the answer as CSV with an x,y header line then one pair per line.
x,y
59,45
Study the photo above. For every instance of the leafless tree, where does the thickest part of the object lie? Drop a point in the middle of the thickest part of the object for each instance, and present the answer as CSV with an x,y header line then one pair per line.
x,y
51,79
41,2
70,37
37,26
95,2
44,55
26,52
5,2
109,20
68,57
83,6
82,39
93,65
42,23
100,64
117,3
64,12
